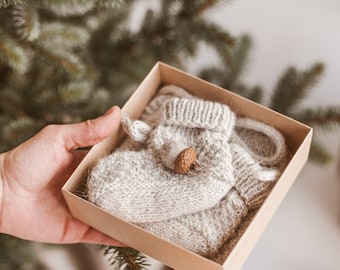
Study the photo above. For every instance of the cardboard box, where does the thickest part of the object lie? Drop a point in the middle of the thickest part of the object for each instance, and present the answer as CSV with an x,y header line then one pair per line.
x,y
298,138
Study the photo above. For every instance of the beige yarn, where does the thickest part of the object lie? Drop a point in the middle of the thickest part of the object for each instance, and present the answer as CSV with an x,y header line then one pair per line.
x,y
206,232
239,160
203,232
141,186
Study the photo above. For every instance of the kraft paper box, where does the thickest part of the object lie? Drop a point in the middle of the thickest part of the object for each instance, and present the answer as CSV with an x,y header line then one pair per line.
x,y
298,138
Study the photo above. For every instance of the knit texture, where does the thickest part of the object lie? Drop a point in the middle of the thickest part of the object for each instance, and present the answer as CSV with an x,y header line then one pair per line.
x,y
238,160
208,231
264,143
203,232
224,251
259,154
141,186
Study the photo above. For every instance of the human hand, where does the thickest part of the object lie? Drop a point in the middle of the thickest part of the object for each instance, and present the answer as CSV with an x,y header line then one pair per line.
x,y
32,206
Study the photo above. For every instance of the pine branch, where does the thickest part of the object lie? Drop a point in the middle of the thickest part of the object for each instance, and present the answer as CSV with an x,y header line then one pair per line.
x,y
215,34
81,256
26,21
104,28
18,254
17,131
75,93
109,3
219,77
229,75
293,86
203,7
43,99
196,8
125,258
100,102
327,118
239,59
66,8
5,74
10,103
62,61
9,3
54,35
12,53
215,75
319,154
253,93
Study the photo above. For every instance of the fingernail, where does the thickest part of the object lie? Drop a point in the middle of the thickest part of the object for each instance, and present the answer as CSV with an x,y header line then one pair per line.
x,y
112,109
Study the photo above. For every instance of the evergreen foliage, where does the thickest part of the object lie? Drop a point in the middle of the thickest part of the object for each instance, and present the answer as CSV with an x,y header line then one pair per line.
x,y
125,258
69,60
292,87
17,254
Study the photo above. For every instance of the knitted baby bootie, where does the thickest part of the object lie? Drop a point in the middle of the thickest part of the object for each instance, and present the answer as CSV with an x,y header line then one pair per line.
x,y
205,232
259,155
141,185
232,168
194,123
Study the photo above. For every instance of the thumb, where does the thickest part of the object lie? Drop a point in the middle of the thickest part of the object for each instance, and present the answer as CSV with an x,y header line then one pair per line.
x,y
92,131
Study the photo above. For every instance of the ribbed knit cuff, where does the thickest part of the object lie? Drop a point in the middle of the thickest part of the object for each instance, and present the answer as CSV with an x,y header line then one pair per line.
x,y
253,181
253,191
265,143
198,113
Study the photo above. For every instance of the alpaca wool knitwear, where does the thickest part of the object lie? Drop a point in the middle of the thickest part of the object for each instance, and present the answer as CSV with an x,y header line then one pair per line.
x,y
206,232
265,143
203,232
141,186
154,111
263,148
238,160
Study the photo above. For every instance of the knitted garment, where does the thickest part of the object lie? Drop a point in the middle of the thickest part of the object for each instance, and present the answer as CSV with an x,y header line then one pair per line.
x,y
258,150
206,232
203,232
202,209
141,186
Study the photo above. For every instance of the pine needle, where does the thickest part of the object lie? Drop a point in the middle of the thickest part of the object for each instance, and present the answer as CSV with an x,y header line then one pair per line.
x,y
75,93
62,34
318,154
238,60
213,35
10,102
17,131
109,3
325,118
63,61
9,3
293,86
66,8
26,21
203,7
13,54
254,93
125,258
215,75
100,102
